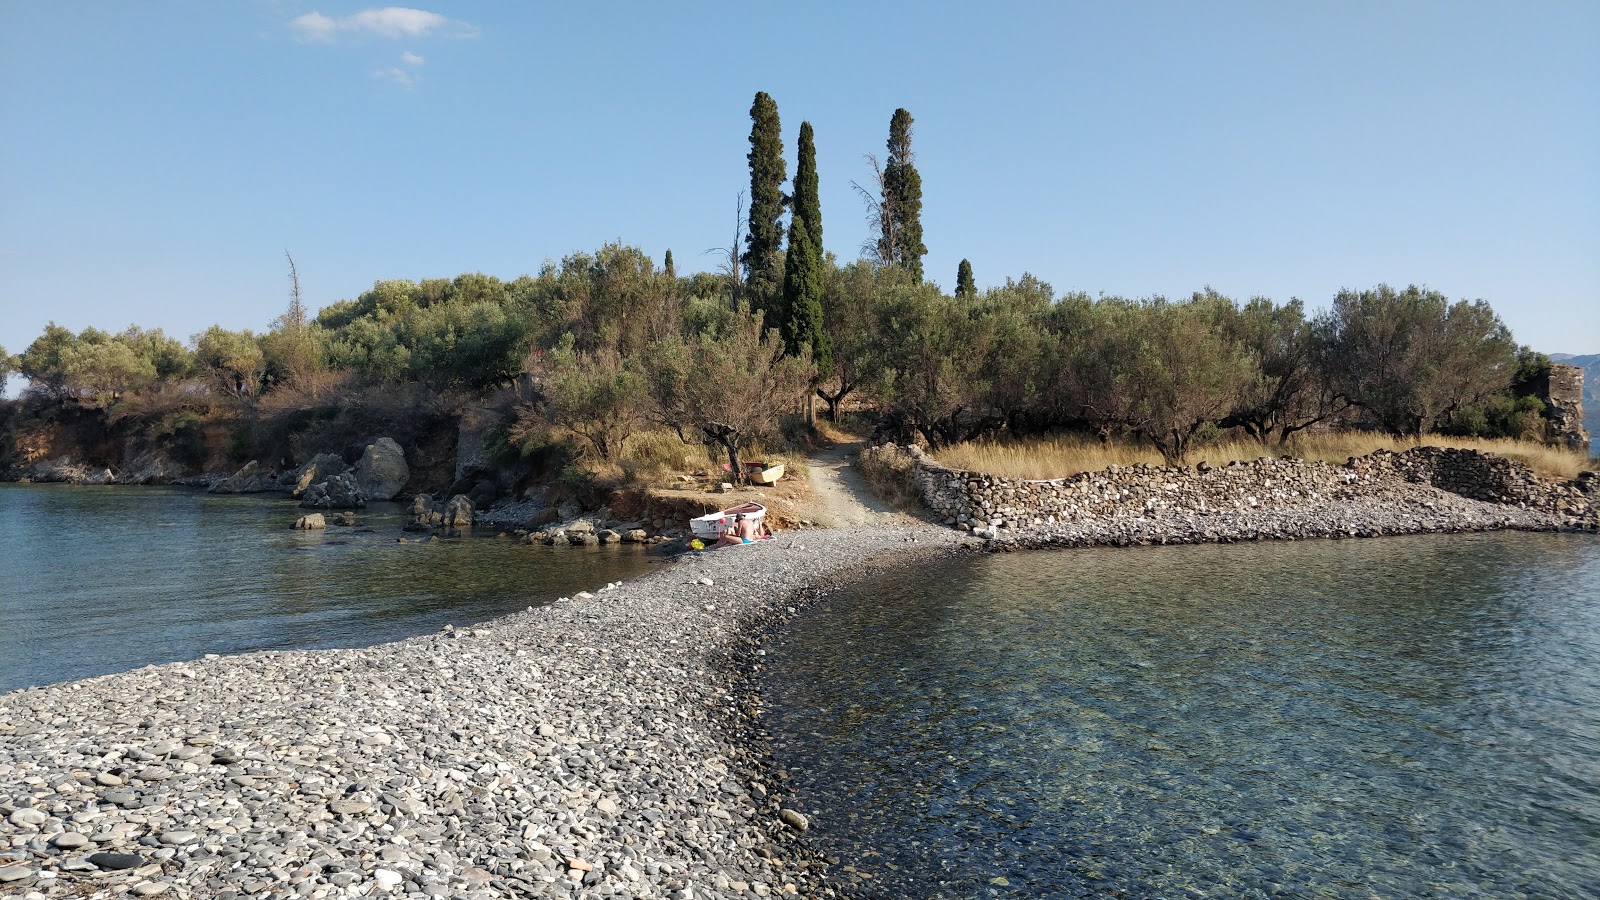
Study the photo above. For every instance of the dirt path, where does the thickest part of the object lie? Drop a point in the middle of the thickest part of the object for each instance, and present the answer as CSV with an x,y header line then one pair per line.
x,y
842,497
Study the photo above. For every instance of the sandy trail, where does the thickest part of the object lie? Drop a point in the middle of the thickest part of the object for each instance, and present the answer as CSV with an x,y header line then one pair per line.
x,y
842,497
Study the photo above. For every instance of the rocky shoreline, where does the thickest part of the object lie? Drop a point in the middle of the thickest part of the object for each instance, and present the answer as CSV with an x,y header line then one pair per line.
x,y
608,745
595,747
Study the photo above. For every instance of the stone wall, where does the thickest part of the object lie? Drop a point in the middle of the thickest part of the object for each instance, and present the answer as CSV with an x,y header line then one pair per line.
x,y
976,501
1563,396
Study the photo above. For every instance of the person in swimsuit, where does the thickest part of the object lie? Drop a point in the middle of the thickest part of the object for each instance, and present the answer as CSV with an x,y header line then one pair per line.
x,y
744,531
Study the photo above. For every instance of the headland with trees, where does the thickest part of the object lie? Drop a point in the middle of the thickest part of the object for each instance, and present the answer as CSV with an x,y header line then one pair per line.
x,y
590,364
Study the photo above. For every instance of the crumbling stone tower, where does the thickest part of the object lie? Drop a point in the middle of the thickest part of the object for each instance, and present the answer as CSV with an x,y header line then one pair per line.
x,y
1562,393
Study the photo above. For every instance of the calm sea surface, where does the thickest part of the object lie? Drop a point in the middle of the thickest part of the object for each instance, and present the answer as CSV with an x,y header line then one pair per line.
x,y
96,580
1394,718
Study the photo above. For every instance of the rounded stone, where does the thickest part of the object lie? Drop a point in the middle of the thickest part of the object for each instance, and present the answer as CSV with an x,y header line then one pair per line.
x,y
28,816
112,862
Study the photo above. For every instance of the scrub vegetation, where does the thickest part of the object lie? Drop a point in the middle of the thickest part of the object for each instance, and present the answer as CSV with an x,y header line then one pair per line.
x,y
593,365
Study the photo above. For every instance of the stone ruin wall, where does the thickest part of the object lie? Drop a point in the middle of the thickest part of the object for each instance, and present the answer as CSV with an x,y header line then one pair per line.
x,y
1563,397
976,500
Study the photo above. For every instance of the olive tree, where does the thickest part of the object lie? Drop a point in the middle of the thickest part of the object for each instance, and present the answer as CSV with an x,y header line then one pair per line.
x,y
728,384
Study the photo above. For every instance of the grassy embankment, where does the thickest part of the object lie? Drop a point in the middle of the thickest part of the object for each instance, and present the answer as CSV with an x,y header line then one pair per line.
x,y
1062,457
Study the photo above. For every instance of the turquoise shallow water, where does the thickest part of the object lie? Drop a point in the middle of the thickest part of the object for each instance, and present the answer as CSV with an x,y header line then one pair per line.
x,y
1404,717
95,580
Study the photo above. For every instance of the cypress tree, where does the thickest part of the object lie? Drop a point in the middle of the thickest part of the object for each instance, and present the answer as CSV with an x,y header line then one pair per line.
x,y
806,204
964,286
902,194
672,270
764,240
802,269
802,298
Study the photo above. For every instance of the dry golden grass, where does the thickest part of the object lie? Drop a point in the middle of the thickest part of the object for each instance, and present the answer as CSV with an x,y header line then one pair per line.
x,y
1063,457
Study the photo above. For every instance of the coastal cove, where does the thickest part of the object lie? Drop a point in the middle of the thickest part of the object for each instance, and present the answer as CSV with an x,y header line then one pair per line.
x,y
612,745
104,579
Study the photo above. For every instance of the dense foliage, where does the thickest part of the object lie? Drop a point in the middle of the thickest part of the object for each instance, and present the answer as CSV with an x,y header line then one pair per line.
x,y
598,346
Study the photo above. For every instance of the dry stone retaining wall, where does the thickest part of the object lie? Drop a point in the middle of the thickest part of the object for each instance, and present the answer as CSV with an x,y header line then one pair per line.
x,y
976,501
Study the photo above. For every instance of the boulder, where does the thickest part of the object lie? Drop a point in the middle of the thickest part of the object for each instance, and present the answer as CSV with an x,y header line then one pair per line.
x,y
457,513
346,519
248,480
338,492
484,493
381,472
319,469
421,505
607,536
634,536
570,510
542,518
581,526
583,539
310,522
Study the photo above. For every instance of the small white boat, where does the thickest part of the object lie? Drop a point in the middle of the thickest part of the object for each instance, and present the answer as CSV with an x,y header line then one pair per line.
x,y
714,525
761,473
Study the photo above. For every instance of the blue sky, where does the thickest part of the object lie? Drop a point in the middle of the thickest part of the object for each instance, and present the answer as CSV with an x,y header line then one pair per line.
x,y
156,159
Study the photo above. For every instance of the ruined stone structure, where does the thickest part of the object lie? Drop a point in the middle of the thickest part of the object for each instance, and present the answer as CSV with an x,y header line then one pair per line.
x,y
1562,393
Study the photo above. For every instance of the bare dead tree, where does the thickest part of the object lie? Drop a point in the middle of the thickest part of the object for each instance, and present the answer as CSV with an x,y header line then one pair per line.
x,y
295,315
730,254
879,247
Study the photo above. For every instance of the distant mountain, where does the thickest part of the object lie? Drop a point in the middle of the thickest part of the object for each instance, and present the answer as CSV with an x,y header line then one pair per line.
x,y
1590,363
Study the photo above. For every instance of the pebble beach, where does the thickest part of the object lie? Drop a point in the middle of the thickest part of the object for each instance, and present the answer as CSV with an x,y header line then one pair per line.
x,y
597,747
606,745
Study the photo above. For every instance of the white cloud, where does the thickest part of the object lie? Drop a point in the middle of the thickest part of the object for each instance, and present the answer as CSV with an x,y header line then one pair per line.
x,y
411,59
315,26
397,75
387,21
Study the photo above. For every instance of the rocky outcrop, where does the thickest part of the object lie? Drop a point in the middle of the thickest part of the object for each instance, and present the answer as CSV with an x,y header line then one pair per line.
x,y
338,492
319,469
472,440
311,522
382,472
62,470
151,467
250,479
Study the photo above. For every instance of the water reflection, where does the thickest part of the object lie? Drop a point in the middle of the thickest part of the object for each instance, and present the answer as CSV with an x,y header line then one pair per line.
x,y
1406,717
99,580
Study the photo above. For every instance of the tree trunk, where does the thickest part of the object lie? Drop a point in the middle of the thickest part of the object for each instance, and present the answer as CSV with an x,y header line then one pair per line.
x,y
732,447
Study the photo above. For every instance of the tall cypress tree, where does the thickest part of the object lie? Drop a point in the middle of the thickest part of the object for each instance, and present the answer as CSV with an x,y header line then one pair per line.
x,y
764,240
672,270
802,270
802,295
964,285
902,194
806,204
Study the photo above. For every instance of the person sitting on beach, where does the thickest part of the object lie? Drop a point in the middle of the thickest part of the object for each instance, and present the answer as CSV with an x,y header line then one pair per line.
x,y
744,531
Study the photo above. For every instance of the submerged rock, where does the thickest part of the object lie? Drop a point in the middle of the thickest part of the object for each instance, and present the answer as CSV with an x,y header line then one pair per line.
x,y
311,522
